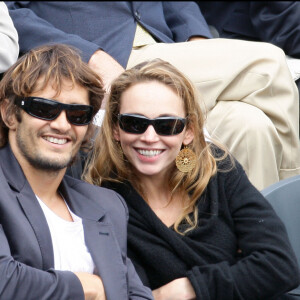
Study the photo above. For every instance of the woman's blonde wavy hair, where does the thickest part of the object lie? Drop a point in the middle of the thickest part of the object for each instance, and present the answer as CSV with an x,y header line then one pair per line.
x,y
106,163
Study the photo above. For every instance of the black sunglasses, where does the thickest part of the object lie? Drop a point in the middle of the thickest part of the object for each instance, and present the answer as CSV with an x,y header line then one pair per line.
x,y
163,125
46,109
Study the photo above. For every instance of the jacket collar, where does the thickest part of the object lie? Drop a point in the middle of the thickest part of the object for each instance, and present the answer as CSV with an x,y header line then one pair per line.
x,y
73,192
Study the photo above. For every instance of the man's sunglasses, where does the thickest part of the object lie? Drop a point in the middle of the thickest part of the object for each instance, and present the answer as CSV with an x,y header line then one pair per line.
x,y
46,109
137,124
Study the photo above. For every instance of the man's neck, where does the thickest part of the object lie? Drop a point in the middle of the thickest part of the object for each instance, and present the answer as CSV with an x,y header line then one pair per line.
x,y
44,183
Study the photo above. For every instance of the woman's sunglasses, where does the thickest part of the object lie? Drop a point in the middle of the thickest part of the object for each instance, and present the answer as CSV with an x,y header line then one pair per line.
x,y
47,109
163,125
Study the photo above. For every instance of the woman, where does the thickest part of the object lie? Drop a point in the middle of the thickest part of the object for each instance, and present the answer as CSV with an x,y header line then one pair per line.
x,y
198,229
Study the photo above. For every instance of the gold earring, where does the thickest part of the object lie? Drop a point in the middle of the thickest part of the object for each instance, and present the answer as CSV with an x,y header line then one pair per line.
x,y
186,160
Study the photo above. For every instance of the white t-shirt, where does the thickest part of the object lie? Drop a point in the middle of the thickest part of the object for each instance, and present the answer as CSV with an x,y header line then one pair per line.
x,y
70,251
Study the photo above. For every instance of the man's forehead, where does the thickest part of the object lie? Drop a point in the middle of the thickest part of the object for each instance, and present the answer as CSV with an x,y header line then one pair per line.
x,y
43,84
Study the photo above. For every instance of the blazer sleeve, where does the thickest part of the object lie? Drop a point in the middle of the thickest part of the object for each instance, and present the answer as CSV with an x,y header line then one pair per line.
x,y
185,20
9,47
278,22
267,262
22,282
34,31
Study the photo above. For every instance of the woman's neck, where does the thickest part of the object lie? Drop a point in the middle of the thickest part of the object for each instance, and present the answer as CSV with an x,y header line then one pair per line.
x,y
155,189
167,207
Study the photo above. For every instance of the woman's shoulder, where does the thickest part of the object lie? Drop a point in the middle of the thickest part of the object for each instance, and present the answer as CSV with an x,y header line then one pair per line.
x,y
229,171
226,162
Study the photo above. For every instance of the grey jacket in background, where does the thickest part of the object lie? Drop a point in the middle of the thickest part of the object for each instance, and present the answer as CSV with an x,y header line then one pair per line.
x,y
109,25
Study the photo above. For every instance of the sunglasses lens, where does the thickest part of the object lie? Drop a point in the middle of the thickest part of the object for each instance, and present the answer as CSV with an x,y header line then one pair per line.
x,y
170,126
47,110
162,126
133,124
80,116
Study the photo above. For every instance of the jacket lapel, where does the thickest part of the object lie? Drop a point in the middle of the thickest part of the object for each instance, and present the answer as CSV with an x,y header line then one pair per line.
x,y
39,225
100,241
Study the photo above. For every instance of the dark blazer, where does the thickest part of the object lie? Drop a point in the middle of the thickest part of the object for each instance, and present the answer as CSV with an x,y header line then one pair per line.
x,y
26,253
276,22
107,25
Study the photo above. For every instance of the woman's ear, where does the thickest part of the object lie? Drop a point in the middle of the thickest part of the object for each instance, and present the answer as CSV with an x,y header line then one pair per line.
x,y
9,118
116,133
188,136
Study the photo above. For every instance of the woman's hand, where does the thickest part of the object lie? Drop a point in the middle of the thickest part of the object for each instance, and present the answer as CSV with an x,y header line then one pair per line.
x,y
178,289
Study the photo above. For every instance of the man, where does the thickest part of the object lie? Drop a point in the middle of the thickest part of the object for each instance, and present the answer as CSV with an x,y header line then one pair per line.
x,y
60,238
250,97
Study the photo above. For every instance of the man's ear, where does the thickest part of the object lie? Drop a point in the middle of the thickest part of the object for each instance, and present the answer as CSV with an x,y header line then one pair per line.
x,y
9,118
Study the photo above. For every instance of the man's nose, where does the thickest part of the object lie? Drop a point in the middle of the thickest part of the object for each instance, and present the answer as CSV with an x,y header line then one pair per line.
x,y
61,123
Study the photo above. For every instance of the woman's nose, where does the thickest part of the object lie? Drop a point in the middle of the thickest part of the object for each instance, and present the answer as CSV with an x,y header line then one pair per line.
x,y
150,135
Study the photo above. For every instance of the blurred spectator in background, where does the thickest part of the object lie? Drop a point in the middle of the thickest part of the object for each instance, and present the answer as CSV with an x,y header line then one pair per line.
x,y
9,47
250,97
276,22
